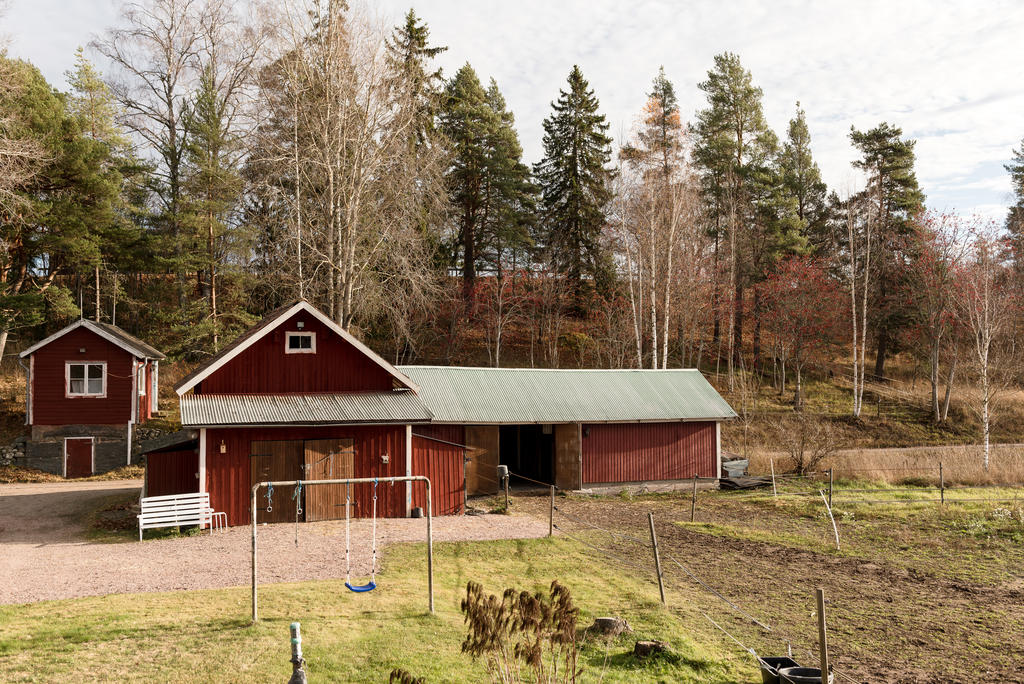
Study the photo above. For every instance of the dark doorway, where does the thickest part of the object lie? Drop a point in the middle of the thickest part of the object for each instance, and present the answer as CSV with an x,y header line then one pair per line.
x,y
528,450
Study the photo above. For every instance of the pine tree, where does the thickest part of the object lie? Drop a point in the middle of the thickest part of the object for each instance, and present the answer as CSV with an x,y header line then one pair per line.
x,y
419,85
802,181
573,182
895,197
488,183
737,154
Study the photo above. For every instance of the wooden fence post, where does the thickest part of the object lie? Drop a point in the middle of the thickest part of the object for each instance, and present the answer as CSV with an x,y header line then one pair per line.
x,y
942,485
775,492
822,637
693,499
830,471
551,513
657,558
507,478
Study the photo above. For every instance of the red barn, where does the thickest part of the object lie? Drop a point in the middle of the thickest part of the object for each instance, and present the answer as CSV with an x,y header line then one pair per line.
x,y
297,397
88,385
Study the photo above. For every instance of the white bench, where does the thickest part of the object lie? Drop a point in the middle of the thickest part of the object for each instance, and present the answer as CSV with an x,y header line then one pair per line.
x,y
179,509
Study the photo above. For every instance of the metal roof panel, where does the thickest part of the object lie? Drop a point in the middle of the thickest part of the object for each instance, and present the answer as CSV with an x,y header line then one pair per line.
x,y
209,410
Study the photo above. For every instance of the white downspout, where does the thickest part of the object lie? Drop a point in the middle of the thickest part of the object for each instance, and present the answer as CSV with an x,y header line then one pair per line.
x,y
718,446
202,460
408,470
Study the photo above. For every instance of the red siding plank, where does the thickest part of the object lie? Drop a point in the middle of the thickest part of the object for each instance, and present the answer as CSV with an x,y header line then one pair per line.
x,y
265,368
51,406
443,464
172,472
635,452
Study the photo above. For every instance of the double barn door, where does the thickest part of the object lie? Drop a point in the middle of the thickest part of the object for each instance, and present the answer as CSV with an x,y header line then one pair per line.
x,y
296,459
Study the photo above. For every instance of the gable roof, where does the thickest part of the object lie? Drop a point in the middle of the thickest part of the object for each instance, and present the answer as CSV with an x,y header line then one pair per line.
x,y
111,333
266,326
540,395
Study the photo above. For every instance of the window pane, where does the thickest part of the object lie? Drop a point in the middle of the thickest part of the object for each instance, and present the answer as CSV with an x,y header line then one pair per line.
x,y
95,371
305,342
95,385
77,386
77,371
293,342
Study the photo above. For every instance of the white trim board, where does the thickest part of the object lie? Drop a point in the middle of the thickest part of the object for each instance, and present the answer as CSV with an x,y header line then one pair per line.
x,y
88,325
273,325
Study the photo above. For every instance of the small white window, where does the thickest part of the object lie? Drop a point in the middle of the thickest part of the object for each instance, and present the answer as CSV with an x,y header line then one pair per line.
x,y
299,343
86,379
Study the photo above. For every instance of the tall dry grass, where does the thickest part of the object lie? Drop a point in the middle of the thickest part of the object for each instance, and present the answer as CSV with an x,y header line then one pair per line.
x,y
961,464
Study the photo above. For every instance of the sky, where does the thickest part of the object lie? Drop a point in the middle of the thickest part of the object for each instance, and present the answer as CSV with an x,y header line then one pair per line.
x,y
950,74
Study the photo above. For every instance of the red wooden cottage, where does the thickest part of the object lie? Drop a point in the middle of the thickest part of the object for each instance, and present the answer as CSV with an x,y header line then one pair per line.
x,y
297,397
88,385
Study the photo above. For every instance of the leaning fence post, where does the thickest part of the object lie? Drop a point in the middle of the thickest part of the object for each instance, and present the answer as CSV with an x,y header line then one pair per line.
x,y
775,492
551,513
942,485
298,663
830,487
693,499
657,558
822,637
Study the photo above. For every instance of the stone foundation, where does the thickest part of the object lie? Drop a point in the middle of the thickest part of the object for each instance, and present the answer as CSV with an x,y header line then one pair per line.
x,y
45,448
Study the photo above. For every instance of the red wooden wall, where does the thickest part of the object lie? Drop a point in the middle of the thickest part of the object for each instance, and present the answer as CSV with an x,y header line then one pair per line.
x,y
50,406
443,464
172,472
638,452
337,366
227,474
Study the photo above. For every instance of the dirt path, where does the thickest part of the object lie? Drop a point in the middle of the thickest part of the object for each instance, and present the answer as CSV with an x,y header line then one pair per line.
x,y
44,554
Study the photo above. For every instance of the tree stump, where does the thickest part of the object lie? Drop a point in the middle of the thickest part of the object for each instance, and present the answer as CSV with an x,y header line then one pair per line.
x,y
643,649
610,626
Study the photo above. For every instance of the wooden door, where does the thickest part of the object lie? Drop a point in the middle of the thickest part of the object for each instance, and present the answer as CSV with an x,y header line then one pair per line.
x,y
328,459
78,457
275,460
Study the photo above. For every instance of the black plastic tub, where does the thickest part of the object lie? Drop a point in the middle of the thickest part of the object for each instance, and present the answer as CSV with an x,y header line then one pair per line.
x,y
801,675
770,669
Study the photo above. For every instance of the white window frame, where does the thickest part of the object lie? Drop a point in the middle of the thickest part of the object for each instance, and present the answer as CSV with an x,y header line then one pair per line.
x,y
142,379
299,333
92,455
68,394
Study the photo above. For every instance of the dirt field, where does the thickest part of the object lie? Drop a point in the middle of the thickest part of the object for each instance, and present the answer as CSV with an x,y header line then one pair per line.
x,y
915,596
45,552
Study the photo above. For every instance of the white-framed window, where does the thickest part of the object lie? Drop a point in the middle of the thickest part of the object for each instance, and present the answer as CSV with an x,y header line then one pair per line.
x,y
299,343
142,380
85,378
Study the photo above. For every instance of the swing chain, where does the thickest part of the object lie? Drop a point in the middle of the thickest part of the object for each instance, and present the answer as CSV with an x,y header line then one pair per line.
x,y
297,496
270,494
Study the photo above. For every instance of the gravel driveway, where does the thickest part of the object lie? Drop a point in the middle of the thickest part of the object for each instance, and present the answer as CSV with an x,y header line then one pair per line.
x,y
44,554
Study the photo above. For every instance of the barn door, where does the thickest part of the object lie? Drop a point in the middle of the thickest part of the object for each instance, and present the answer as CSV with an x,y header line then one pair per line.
x,y
78,457
328,459
275,460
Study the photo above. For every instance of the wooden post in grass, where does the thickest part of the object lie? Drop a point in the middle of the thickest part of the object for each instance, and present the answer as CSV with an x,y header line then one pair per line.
x,y
506,492
942,485
551,513
657,558
693,499
830,470
822,637
775,492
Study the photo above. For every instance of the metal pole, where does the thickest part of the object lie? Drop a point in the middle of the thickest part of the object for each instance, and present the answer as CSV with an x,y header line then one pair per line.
x,y
254,488
506,491
551,513
775,492
693,499
942,485
822,638
430,548
657,558
830,487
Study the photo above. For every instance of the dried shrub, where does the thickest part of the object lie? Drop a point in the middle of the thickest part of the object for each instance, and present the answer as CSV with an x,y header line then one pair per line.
x,y
522,635
807,442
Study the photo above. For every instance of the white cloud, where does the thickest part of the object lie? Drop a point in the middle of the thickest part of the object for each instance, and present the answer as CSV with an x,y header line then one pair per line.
x,y
949,73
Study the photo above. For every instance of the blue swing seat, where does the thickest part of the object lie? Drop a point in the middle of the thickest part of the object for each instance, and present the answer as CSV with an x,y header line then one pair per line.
x,y
361,588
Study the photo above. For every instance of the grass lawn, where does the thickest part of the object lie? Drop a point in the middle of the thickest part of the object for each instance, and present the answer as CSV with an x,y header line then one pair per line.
x,y
206,635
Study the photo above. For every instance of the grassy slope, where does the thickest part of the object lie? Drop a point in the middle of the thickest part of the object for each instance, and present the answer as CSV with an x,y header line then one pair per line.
x,y
206,635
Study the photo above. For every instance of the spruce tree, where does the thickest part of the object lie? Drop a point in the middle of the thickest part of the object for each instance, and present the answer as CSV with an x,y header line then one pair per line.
x,y
574,184
895,197
418,83
1015,216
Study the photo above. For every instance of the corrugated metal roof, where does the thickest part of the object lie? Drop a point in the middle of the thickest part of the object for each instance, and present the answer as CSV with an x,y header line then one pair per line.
x,y
208,410
534,395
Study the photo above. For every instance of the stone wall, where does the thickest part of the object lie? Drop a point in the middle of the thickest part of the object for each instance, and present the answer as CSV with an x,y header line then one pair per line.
x,y
45,449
